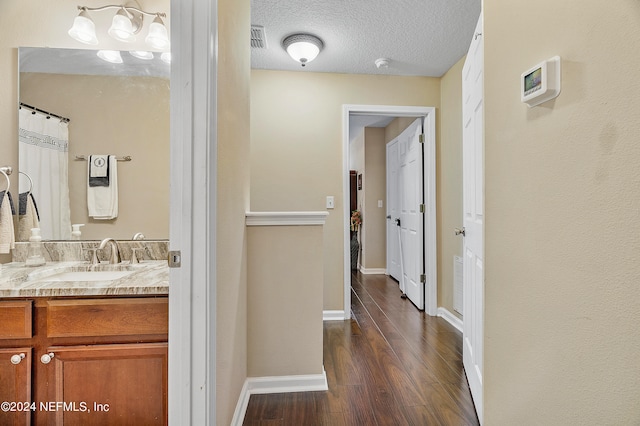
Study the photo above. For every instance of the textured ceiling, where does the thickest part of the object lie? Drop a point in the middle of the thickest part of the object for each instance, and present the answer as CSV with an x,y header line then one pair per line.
x,y
420,37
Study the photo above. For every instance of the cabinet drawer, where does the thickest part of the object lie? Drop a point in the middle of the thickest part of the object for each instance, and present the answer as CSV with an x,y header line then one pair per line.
x,y
107,317
15,319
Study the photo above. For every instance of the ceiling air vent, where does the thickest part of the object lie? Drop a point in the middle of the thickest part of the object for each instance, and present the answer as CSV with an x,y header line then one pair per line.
x,y
258,37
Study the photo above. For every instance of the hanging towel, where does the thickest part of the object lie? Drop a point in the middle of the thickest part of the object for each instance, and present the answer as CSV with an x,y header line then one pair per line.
x,y
98,170
28,216
7,234
102,201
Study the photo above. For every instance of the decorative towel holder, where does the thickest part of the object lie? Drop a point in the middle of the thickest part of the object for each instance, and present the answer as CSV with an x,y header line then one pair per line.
x,y
124,158
6,171
30,181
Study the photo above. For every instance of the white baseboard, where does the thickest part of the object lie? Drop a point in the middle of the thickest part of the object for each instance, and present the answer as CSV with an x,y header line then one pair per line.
x,y
450,318
276,384
333,316
373,271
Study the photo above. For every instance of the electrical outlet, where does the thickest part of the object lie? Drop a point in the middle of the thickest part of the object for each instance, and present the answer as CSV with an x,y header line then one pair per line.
x,y
330,202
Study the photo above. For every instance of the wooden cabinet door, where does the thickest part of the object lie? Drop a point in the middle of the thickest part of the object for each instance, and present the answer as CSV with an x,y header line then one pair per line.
x,y
15,386
120,384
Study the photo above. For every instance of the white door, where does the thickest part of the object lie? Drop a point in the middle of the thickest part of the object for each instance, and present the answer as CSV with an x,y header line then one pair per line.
x,y
393,211
411,217
473,218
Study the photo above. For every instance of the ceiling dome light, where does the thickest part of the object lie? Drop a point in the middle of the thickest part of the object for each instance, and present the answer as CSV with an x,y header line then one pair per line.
x,y
166,57
302,47
83,29
382,63
158,37
112,56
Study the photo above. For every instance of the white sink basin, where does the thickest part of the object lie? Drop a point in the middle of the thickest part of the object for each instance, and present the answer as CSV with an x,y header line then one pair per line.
x,y
88,275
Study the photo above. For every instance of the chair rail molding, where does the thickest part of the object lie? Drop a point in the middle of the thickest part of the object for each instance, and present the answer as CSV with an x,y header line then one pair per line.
x,y
286,218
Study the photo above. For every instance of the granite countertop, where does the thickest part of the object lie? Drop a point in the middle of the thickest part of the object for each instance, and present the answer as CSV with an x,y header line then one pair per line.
x,y
149,277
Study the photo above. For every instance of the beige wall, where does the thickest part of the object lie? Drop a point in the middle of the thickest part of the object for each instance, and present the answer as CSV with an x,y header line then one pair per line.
x,y
397,126
296,145
233,202
120,116
562,301
374,249
449,182
285,300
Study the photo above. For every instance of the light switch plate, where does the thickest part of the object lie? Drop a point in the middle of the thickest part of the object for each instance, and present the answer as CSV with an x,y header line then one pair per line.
x,y
330,202
380,203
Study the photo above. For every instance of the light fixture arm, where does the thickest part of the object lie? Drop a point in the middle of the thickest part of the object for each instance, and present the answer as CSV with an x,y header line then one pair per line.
x,y
127,8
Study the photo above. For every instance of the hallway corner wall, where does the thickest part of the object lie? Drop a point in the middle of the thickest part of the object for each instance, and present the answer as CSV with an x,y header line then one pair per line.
x,y
233,201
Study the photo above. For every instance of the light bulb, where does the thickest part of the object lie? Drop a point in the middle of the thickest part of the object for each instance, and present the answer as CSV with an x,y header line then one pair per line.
x,y
83,29
141,54
158,37
122,27
112,56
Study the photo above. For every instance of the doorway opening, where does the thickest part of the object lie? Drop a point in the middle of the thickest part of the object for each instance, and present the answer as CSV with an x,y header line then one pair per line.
x,y
429,196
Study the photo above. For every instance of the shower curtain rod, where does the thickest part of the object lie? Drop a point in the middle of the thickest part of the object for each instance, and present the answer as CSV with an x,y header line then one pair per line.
x,y
63,119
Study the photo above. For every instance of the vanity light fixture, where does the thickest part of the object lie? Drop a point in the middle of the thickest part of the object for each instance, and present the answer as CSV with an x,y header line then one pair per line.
x,y
303,48
126,24
83,29
112,56
166,57
141,54
157,36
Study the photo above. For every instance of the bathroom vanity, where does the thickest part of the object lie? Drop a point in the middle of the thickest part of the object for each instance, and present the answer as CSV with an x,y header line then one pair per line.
x,y
84,344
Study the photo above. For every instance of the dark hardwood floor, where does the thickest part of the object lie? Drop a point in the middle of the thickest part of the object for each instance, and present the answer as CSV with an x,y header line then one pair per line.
x,y
390,365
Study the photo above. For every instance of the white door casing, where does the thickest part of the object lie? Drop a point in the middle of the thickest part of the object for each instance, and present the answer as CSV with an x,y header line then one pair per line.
x,y
393,250
473,216
431,306
192,287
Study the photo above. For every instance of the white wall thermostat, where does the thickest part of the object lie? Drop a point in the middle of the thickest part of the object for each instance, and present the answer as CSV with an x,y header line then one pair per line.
x,y
541,83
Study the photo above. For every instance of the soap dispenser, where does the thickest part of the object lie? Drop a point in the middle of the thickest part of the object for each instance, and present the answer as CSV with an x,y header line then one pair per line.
x,y
75,231
34,255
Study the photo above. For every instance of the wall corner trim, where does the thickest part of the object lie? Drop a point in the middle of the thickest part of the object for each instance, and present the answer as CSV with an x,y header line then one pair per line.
x,y
333,316
276,384
450,318
286,218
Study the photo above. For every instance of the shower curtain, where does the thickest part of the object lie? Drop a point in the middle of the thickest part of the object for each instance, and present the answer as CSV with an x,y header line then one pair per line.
x,y
43,155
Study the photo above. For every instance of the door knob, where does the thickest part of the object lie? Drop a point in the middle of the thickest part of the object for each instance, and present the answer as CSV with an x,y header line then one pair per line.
x,y
389,217
46,358
17,358
459,231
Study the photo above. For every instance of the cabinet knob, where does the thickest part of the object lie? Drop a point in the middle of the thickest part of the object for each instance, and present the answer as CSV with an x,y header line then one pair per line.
x,y
15,359
46,358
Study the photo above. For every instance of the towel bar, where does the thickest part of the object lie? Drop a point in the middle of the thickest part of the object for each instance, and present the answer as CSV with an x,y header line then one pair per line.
x,y
84,158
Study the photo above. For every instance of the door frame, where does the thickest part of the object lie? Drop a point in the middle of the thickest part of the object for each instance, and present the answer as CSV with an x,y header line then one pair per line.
x,y
431,292
192,218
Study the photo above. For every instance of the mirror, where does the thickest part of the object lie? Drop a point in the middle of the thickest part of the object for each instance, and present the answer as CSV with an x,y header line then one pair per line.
x,y
116,109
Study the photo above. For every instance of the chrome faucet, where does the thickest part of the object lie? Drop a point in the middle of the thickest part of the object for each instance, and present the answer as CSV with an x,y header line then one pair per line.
x,y
114,257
